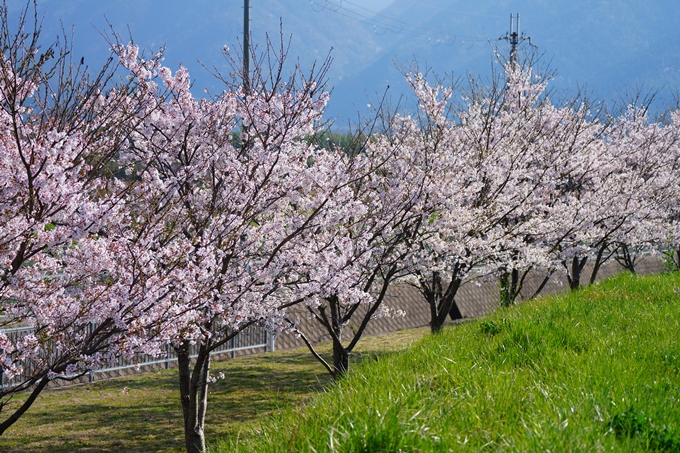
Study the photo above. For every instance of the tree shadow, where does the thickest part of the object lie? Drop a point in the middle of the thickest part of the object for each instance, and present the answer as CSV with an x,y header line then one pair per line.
x,y
143,412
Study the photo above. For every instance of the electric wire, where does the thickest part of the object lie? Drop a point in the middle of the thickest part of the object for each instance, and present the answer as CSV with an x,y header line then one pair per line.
x,y
388,24
466,13
345,12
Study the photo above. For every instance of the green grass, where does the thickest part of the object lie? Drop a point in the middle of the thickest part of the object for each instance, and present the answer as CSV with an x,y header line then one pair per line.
x,y
143,413
597,370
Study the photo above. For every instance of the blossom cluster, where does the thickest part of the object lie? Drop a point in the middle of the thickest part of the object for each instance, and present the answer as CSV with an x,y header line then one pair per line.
x,y
160,218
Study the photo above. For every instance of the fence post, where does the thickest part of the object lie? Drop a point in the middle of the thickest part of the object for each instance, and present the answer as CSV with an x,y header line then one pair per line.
x,y
266,343
272,340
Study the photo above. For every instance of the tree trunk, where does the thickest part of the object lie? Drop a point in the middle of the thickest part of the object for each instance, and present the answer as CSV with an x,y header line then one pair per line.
x,y
340,353
340,360
510,287
625,258
24,407
446,306
598,262
193,387
442,303
432,290
574,276
334,321
429,290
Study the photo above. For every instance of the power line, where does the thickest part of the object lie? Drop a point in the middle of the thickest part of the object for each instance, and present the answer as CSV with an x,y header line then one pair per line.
x,y
457,12
382,15
346,12
388,24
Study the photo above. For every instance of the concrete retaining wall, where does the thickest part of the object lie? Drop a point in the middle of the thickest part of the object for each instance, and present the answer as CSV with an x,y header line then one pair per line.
x,y
476,297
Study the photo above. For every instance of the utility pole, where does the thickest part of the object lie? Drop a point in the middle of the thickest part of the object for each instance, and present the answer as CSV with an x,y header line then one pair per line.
x,y
246,45
515,38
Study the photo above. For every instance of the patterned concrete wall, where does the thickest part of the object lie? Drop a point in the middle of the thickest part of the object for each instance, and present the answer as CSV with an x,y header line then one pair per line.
x,y
399,297
476,297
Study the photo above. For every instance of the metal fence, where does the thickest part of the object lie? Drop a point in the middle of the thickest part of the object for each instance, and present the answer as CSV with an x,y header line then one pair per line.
x,y
250,338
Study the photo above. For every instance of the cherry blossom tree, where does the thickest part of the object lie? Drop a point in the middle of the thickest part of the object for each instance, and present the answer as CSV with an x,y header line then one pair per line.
x,y
444,252
669,211
60,216
652,150
369,231
505,152
632,172
239,187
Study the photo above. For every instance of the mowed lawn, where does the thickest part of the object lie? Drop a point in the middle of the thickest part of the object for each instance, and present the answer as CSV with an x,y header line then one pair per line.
x,y
595,370
143,413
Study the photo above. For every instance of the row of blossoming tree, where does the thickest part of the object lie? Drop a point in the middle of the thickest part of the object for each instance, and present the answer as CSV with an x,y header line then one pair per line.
x,y
135,216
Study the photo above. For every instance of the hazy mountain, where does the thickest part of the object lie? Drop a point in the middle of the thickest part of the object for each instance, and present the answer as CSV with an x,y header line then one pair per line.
x,y
606,44
198,30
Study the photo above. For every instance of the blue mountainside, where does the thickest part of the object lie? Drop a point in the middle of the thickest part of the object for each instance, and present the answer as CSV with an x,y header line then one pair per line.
x,y
607,45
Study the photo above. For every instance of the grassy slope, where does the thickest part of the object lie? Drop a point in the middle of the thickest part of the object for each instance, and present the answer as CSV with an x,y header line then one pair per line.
x,y
592,371
143,413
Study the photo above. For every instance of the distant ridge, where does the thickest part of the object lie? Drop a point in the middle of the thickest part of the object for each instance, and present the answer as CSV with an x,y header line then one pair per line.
x,y
606,45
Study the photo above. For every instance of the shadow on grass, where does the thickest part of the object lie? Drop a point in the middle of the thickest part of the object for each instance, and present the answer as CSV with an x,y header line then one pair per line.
x,y
143,413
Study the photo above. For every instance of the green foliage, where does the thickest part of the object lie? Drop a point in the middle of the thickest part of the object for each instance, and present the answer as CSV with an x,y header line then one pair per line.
x,y
669,261
350,143
492,327
636,424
